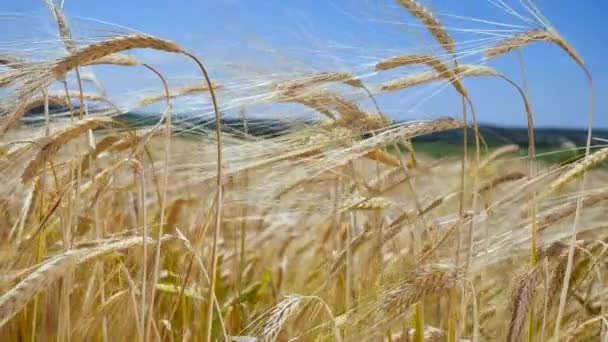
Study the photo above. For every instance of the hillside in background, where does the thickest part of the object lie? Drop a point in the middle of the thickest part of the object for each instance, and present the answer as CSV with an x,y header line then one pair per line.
x,y
546,138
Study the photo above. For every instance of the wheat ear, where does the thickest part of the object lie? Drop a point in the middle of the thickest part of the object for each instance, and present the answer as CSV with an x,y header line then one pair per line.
x,y
580,168
411,81
529,37
66,36
588,329
396,301
443,71
116,59
15,299
84,56
186,90
325,103
278,316
62,25
497,154
480,70
417,10
49,148
399,61
11,61
520,302
509,177
560,212
409,131
93,52
292,88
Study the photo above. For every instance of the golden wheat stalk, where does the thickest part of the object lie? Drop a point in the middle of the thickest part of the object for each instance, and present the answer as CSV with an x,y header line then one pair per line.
x,y
396,301
93,52
580,168
417,10
588,330
50,271
52,145
79,57
475,70
11,61
101,146
409,131
278,316
183,91
429,76
560,212
62,25
580,257
66,36
496,181
399,61
411,81
116,59
293,87
497,154
371,203
12,75
443,71
520,303
383,157
427,60
326,103
539,35
15,299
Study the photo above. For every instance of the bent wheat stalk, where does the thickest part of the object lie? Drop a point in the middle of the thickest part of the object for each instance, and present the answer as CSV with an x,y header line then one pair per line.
x,y
14,300
580,168
291,88
477,70
184,91
167,119
480,70
498,153
59,68
325,102
549,35
278,316
412,130
443,71
219,195
49,148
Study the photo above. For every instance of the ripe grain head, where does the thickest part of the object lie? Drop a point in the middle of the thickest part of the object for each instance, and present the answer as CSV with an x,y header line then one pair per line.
x,y
418,11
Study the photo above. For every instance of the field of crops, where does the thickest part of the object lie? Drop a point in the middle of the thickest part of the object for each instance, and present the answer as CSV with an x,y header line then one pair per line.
x,y
342,226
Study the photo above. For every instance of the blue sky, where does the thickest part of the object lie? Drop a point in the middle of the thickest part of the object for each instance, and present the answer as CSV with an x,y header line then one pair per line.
x,y
247,40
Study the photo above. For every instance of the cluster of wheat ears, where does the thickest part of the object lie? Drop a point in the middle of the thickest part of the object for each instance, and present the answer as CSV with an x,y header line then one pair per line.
x,y
335,230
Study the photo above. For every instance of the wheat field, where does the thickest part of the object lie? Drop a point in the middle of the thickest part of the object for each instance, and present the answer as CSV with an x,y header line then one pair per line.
x,y
333,229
